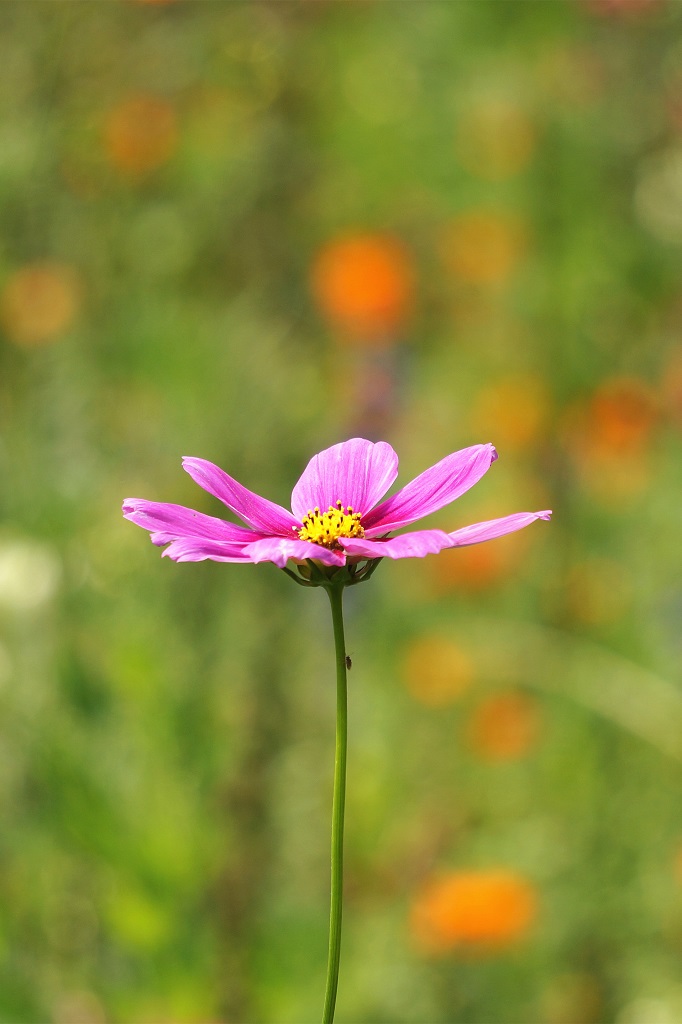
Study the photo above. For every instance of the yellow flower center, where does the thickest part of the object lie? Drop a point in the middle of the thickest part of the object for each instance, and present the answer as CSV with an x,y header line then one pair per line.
x,y
325,527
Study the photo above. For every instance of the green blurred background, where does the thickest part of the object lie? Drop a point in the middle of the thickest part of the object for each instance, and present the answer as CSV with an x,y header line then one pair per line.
x,y
245,231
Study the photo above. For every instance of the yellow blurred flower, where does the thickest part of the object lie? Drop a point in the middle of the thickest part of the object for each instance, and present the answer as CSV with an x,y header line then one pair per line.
x,y
436,671
495,138
484,247
219,122
574,996
140,134
80,1006
482,911
598,591
364,284
39,302
513,410
504,726
572,73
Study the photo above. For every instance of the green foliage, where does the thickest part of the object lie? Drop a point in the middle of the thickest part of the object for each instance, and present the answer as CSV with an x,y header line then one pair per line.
x,y
170,174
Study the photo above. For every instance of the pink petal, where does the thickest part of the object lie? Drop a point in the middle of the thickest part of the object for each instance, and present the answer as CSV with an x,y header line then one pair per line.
x,y
168,522
495,528
356,472
407,545
263,515
279,549
194,549
431,490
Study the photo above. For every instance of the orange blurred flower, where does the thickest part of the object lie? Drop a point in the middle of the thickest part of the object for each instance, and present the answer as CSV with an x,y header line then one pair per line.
x,y
39,302
140,134
365,284
484,247
436,671
481,910
505,726
514,410
495,138
609,437
622,415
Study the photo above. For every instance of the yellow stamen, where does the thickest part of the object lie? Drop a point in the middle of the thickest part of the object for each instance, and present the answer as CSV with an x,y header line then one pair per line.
x,y
325,527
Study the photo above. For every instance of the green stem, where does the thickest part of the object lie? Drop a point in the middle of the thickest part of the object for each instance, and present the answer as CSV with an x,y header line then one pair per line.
x,y
336,601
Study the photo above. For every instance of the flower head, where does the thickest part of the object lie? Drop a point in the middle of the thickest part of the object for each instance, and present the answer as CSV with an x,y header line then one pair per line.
x,y
337,516
481,910
365,283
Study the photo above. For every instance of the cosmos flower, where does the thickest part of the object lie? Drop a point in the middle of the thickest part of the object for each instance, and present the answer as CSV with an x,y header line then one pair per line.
x,y
335,519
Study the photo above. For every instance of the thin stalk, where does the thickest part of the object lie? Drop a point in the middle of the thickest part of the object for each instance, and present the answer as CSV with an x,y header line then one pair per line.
x,y
338,804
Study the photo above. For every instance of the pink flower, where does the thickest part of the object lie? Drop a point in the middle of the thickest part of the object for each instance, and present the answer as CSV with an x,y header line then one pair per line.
x,y
335,517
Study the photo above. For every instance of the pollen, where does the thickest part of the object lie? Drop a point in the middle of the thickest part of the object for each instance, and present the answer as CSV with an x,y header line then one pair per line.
x,y
326,527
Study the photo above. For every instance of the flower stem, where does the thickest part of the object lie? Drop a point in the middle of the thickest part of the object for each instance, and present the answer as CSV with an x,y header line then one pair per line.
x,y
338,805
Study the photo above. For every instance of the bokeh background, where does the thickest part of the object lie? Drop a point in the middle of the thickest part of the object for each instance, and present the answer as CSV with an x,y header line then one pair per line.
x,y
245,231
